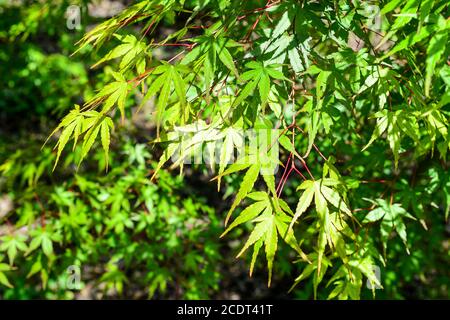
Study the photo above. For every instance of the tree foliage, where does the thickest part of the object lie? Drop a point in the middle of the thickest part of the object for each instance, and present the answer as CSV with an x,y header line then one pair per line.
x,y
355,103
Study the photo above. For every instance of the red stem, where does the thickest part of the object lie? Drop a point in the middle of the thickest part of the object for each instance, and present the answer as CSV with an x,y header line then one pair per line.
x,y
284,173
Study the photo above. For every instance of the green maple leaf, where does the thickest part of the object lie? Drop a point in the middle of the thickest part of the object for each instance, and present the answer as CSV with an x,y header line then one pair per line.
x,y
259,76
391,217
272,222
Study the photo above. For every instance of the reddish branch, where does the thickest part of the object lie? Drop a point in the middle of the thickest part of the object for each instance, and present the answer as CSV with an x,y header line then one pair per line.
x,y
267,6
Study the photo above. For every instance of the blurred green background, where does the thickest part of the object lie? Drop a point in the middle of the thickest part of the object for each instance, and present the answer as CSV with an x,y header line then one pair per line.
x,y
130,238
